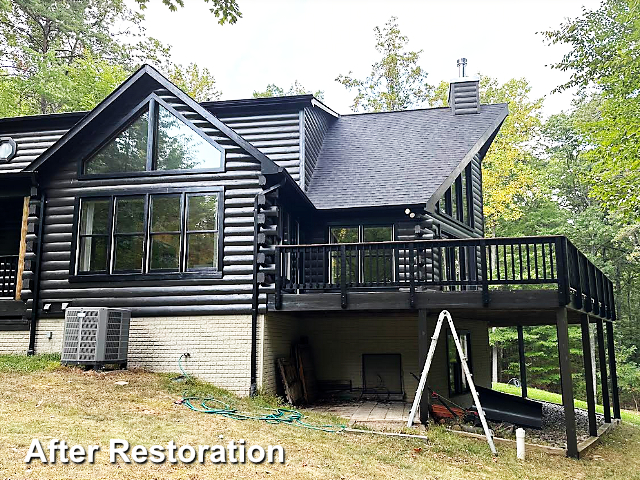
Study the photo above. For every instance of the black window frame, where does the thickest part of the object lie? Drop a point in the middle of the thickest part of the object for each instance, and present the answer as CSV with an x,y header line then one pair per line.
x,y
453,389
150,104
77,243
462,198
112,247
146,273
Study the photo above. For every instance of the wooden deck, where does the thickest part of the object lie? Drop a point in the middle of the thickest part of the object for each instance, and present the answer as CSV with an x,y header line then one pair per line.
x,y
506,308
368,412
508,281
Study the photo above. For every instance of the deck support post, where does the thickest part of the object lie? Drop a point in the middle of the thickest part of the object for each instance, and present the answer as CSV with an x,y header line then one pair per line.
x,y
423,348
603,372
588,374
612,370
523,365
562,327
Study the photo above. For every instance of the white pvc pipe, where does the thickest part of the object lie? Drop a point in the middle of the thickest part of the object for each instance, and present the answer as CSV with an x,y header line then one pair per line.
x,y
520,443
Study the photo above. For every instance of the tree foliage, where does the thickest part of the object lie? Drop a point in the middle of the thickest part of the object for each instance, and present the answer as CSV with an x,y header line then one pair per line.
x,y
396,82
70,54
198,83
604,61
296,88
227,11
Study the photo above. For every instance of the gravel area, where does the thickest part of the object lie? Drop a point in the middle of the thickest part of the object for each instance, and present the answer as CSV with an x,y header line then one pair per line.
x,y
553,428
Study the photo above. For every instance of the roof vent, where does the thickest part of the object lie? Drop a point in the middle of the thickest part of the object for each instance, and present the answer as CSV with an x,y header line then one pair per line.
x,y
464,92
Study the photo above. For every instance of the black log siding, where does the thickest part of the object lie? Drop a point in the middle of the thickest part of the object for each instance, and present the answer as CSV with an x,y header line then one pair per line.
x,y
231,294
316,124
30,145
476,183
277,136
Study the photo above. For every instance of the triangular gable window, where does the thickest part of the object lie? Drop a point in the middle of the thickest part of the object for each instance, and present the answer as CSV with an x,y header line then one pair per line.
x,y
181,148
127,152
158,138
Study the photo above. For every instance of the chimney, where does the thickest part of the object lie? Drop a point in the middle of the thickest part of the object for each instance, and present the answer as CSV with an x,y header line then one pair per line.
x,y
464,92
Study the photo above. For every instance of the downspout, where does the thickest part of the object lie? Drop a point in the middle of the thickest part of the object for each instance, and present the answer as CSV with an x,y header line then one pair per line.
x,y
36,282
255,302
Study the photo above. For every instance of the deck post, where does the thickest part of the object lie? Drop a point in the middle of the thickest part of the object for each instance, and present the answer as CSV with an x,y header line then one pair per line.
x,y
612,370
588,374
423,348
523,365
343,276
484,273
562,327
603,372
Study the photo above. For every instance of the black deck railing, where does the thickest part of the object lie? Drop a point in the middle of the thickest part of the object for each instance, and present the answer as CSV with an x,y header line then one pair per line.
x,y
8,275
450,265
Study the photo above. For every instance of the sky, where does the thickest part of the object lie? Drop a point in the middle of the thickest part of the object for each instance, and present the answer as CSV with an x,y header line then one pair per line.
x,y
313,41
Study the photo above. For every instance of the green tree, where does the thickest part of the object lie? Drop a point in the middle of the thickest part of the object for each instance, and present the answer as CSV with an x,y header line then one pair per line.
x,y
69,55
604,62
296,88
198,83
227,11
54,48
396,82
566,205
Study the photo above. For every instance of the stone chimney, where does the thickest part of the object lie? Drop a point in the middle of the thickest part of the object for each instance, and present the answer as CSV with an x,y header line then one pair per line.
x,y
464,92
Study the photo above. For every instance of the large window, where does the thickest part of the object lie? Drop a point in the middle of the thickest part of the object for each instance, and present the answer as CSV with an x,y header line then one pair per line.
x,y
458,383
363,265
457,201
156,138
149,233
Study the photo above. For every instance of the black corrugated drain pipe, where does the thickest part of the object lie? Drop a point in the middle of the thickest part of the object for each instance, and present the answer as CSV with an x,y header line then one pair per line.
x,y
36,282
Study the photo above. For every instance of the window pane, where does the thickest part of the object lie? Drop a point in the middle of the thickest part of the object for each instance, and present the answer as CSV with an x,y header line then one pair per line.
x,y
378,234
203,210
179,147
202,251
165,252
93,254
344,235
465,199
129,215
454,201
377,263
465,350
125,153
94,218
128,253
165,213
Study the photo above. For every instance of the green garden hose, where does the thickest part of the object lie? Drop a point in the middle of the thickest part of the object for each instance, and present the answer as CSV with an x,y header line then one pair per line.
x,y
276,416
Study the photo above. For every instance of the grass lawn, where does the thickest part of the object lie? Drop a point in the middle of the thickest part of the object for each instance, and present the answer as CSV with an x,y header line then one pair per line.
x,y
40,399
628,416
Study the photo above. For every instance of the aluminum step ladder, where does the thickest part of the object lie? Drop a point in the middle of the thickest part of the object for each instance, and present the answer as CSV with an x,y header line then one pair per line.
x,y
465,369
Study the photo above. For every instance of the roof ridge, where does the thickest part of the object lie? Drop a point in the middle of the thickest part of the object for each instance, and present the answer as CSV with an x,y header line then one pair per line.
x,y
426,109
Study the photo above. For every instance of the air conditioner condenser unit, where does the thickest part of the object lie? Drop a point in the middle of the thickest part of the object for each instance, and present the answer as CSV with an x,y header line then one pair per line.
x,y
95,336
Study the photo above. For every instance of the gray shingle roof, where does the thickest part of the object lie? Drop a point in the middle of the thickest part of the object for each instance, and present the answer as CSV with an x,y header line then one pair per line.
x,y
396,158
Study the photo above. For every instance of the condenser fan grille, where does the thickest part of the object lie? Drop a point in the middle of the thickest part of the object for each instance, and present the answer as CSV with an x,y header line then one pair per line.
x,y
95,336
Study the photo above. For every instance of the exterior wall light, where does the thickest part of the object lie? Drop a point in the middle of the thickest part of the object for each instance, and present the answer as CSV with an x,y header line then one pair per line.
x,y
8,149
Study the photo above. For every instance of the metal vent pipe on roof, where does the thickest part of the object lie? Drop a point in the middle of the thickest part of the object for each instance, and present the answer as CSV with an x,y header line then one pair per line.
x,y
464,92
462,64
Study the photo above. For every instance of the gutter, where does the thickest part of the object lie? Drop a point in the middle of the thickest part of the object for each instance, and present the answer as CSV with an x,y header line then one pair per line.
x,y
255,297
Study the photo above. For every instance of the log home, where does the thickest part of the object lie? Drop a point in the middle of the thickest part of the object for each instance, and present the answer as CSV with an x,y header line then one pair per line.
x,y
231,229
